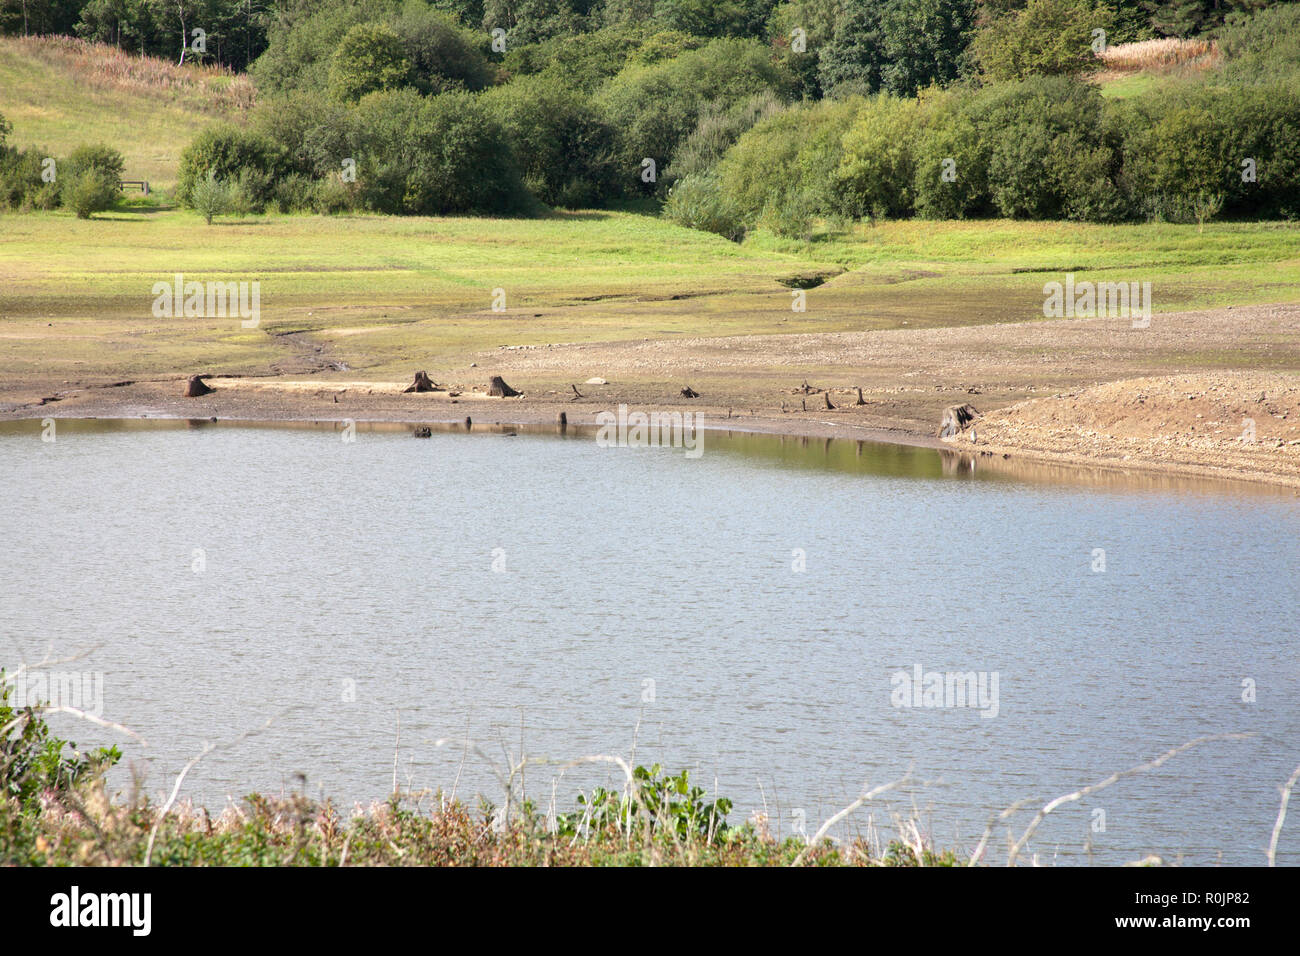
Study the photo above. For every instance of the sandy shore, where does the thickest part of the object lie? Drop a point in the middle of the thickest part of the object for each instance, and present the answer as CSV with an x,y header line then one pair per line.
x,y
1085,392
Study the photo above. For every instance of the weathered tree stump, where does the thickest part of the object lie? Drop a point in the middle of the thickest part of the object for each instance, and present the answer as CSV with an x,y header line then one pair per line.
x,y
861,400
562,420
422,383
196,387
423,431
829,406
956,418
498,388
689,392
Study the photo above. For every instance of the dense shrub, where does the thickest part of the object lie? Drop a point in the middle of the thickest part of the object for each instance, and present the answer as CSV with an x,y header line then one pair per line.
x,y
952,160
698,203
1185,142
434,155
98,157
1046,37
878,167
89,180
584,61
314,133
796,153
1052,154
562,144
443,55
1262,48
719,126
817,19
899,46
533,21
370,57
305,41
211,197
656,107
20,179
89,191
302,38
715,18
226,151
761,166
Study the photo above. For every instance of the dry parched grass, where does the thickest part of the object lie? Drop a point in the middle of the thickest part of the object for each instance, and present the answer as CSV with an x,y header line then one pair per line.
x,y
212,88
1159,55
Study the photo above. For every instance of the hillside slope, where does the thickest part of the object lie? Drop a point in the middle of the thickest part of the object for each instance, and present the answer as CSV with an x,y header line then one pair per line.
x,y
60,93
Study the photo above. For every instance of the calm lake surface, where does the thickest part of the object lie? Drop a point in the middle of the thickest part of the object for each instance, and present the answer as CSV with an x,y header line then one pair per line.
x,y
544,594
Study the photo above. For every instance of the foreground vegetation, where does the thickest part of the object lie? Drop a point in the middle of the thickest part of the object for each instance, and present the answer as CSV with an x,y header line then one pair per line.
x,y
54,812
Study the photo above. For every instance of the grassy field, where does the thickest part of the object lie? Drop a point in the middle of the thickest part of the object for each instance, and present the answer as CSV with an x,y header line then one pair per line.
x,y
379,293
60,94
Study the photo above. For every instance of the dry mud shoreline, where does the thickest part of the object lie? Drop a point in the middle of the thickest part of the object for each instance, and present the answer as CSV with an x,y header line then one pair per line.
x,y
1066,392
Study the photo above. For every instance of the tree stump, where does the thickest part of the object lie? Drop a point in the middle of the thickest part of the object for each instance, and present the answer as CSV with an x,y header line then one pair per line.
x,y
829,406
956,418
422,383
689,392
196,387
498,388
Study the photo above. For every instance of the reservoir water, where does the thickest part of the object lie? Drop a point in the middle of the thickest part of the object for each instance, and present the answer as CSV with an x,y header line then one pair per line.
x,y
770,615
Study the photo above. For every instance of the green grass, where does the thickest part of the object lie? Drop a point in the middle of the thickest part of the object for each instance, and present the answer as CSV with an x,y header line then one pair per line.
x,y
60,95
379,292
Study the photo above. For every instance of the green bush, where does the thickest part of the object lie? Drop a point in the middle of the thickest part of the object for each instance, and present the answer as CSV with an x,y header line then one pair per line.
x,y
97,156
1045,37
332,196
1263,47
20,177
562,144
226,151
435,155
952,143
1052,151
761,167
443,55
1189,141
211,197
89,191
896,46
698,202
878,167
656,107
719,126
302,38
294,193
312,134
33,761
371,56
790,216
795,153
584,61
